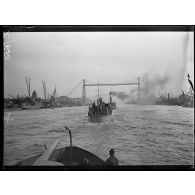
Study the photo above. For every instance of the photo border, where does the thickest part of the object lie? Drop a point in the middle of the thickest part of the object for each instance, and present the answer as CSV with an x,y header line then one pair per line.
x,y
86,28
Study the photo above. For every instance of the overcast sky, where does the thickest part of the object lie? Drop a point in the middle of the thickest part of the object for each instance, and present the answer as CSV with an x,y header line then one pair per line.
x,y
65,58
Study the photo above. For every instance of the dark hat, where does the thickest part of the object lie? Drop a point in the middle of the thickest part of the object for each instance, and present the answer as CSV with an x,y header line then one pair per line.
x,y
111,151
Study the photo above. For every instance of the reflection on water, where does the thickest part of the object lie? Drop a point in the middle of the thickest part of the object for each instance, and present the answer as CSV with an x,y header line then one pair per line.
x,y
141,135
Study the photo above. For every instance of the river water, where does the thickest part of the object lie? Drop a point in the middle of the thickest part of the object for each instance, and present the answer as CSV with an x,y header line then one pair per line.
x,y
140,135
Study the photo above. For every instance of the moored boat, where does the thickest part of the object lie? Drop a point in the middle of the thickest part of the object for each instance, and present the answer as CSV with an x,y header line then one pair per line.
x,y
12,109
32,106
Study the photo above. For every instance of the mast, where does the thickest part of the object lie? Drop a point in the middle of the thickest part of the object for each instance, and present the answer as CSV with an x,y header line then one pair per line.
x,y
28,85
98,91
44,90
54,94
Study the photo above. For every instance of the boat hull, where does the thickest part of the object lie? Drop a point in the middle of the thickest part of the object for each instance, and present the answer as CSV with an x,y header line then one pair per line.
x,y
31,107
12,109
66,156
100,119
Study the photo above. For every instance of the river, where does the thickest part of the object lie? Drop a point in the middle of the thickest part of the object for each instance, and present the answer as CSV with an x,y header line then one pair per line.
x,y
140,134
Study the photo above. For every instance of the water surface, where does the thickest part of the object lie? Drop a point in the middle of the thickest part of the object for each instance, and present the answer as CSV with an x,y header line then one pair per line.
x,y
140,135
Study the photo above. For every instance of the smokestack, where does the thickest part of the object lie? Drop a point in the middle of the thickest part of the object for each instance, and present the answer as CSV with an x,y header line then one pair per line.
x,y
110,97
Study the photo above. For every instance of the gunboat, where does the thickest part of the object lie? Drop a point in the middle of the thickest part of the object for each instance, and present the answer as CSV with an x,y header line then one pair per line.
x,y
100,113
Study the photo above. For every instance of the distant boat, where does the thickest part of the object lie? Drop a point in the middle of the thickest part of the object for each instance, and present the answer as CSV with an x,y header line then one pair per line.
x,y
27,106
100,113
113,104
12,109
63,156
188,105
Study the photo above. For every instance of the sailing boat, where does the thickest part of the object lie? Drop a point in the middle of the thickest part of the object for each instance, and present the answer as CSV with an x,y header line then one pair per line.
x,y
31,104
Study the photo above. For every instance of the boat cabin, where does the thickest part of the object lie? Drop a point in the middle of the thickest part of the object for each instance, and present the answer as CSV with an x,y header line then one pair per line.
x,y
100,109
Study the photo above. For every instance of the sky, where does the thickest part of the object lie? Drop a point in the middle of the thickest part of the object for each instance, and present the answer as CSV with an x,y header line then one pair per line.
x,y
64,59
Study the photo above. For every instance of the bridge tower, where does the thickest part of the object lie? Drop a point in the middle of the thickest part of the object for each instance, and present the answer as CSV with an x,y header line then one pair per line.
x,y
84,92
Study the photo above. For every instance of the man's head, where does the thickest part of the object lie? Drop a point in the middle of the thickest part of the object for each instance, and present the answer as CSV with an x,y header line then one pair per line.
x,y
111,152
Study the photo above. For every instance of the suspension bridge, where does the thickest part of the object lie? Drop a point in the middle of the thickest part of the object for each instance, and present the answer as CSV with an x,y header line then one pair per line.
x,y
86,84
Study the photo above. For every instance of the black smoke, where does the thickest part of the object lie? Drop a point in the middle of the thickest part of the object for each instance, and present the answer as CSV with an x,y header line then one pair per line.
x,y
150,87
121,95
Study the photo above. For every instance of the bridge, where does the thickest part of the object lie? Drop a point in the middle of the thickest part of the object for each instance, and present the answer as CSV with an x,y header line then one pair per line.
x,y
103,84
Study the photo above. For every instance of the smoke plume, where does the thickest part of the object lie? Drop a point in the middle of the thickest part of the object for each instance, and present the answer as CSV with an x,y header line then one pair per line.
x,y
121,95
151,86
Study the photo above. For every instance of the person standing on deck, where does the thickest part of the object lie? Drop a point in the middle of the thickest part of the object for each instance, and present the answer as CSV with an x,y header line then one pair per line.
x,y
94,108
101,105
112,160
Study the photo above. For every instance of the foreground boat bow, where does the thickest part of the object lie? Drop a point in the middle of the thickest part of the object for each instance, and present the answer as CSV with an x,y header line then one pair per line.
x,y
64,156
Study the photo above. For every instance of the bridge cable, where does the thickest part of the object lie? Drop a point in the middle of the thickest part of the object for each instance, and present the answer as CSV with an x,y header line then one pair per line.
x,y
74,88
